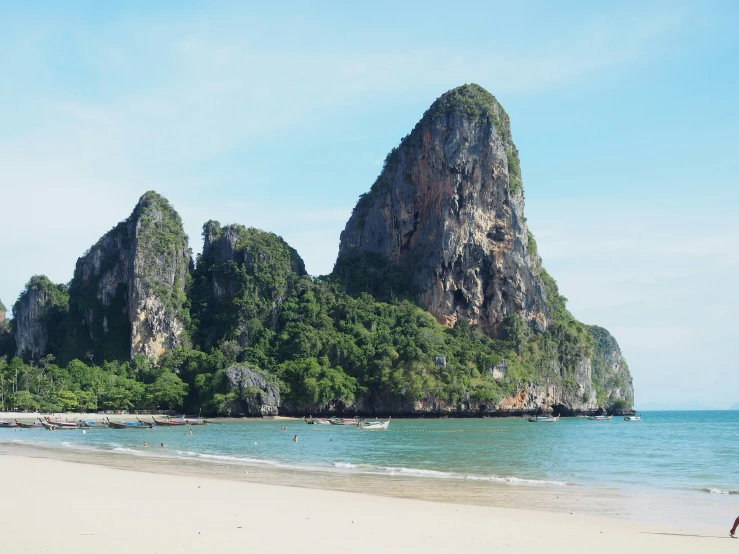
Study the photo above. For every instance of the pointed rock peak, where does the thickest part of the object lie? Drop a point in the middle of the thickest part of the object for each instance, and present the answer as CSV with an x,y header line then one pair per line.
x,y
444,222
3,309
469,100
152,201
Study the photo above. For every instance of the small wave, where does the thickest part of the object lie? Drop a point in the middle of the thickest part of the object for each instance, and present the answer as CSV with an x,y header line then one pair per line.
x,y
720,491
517,481
132,451
345,465
419,472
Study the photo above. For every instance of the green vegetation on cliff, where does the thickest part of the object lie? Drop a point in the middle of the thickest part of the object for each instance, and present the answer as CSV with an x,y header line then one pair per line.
x,y
240,280
2,307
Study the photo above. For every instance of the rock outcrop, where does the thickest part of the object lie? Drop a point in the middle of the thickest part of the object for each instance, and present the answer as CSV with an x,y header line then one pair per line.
x,y
256,394
445,220
2,311
128,290
38,313
444,224
611,374
241,279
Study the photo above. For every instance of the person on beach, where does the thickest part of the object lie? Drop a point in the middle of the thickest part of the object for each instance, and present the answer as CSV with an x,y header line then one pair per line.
x,y
732,533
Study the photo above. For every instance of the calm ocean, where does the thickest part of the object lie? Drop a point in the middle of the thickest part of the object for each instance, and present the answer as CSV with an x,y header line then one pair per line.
x,y
666,451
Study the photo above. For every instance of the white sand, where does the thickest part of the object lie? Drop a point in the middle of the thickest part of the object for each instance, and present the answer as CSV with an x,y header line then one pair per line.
x,y
51,506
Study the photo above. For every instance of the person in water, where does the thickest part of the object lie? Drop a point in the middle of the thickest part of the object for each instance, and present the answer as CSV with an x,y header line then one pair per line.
x,y
295,438
163,445
732,533
145,445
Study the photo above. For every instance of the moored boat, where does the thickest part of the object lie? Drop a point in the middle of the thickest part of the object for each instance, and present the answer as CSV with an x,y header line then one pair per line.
x,y
373,425
7,424
130,425
544,419
58,426
343,421
632,418
600,418
66,424
168,422
32,425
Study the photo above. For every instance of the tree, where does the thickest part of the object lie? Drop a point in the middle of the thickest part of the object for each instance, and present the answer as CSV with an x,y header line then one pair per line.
x,y
67,401
24,400
168,391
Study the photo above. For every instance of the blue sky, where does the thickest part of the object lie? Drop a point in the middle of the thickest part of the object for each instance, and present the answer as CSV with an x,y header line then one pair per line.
x,y
279,117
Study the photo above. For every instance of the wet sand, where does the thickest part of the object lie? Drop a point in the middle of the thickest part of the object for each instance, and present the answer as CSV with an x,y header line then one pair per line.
x,y
128,504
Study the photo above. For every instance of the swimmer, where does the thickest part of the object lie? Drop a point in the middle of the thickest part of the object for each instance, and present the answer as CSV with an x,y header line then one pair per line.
x,y
145,445
163,445
295,438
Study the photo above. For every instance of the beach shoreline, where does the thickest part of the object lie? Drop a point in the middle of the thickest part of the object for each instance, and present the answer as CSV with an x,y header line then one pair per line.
x,y
203,513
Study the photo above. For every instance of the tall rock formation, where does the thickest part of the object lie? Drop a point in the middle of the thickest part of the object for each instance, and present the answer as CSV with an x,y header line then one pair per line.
x,y
444,224
2,311
445,221
38,314
242,277
128,290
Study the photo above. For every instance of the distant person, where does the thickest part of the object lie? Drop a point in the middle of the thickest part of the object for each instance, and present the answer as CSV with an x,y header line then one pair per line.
x,y
191,432
163,445
295,438
145,445
732,533
284,428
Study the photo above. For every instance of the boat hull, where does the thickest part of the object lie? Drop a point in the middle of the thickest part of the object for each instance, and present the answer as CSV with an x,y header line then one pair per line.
x,y
373,425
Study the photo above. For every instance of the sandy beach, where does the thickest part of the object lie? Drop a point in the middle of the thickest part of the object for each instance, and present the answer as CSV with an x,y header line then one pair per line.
x,y
57,507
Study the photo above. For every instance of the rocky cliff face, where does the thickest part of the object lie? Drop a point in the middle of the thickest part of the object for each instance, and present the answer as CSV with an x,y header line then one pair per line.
x,y
611,374
37,314
256,394
242,277
2,311
128,290
446,217
444,223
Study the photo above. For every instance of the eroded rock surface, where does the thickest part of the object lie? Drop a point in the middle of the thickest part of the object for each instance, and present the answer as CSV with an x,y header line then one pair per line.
x,y
446,216
129,288
256,395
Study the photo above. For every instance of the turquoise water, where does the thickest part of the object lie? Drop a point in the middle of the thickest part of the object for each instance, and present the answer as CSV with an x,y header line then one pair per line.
x,y
689,451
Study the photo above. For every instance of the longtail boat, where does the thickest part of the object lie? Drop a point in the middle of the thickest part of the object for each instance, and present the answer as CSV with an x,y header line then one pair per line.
x,y
130,425
373,425
24,425
169,422
343,421
58,426
544,419
7,424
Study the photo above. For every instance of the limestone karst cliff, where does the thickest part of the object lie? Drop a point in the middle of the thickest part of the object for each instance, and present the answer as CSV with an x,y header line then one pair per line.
x,y
444,225
438,303
38,314
446,217
128,290
242,277
2,311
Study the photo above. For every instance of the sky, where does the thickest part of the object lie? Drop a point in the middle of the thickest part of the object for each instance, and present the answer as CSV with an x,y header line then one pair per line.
x,y
278,116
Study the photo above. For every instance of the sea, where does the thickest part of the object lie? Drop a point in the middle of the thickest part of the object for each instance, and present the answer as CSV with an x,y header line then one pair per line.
x,y
680,464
